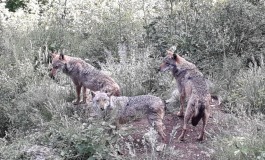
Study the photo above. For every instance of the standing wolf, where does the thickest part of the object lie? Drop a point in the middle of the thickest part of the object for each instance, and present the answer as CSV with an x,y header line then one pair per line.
x,y
121,108
83,75
192,87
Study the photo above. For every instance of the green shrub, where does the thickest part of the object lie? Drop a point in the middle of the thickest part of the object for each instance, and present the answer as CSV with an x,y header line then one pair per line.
x,y
241,137
138,74
248,89
218,37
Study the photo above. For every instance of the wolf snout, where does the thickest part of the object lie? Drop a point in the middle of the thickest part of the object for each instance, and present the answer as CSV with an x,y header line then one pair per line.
x,y
158,69
102,108
51,75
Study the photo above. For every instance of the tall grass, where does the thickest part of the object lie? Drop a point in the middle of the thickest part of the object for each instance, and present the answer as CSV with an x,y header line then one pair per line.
x,y
241,137
37,111
248,89
137,73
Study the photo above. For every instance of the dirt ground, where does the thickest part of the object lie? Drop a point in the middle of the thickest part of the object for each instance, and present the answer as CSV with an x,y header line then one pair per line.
x,y
190,149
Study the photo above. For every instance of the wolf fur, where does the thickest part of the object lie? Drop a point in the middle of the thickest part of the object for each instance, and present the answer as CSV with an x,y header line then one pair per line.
x,y
121,108
83,76
192,87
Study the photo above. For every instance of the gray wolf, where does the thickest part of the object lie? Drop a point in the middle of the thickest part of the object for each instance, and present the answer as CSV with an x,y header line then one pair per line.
x,y
122,108
192,87
83,75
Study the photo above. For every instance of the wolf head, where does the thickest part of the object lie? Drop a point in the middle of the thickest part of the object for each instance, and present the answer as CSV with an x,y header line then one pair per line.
x,y
100,100
175,63
169,62
58,62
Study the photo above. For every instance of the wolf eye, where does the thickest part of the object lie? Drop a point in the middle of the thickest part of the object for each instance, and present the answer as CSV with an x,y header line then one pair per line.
x,y
55,66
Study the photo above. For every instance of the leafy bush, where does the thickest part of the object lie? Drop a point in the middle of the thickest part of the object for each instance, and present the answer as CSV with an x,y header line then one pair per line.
x,y
248,89
138,74
218,37
241,137
27,94
207,31
75,140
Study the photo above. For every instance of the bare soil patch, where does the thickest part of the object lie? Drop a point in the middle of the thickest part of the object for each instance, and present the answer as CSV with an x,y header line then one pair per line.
x,y
190,149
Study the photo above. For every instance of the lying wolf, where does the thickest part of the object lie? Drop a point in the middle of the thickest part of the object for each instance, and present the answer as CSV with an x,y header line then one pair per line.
x,y
121,108
83,75
192,87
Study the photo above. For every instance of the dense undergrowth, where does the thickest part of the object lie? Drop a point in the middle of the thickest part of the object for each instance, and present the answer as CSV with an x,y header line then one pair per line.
x,y
224,39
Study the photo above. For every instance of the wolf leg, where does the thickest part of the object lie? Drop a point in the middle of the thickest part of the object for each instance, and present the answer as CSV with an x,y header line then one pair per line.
x,y
155,119
84,95
182,101
187,117
204,122
160,129
78,90
117,123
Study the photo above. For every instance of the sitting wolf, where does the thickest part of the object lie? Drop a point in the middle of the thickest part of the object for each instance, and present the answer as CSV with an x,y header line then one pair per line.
x,y
83,75
121,108
192,87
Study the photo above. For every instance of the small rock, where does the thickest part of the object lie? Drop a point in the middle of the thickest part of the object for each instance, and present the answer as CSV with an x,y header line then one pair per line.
x,y
37,152
160,147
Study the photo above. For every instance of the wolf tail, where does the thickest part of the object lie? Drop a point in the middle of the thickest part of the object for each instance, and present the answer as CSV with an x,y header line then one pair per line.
x,y
215,100
199,113
165,105
117,92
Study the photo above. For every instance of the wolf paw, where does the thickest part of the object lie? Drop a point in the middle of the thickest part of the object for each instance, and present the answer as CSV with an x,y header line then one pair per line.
x,y
200,138
75,102
83,102
180,114
181,138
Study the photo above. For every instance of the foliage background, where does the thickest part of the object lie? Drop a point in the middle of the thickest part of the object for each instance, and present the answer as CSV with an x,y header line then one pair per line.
x,y
127,40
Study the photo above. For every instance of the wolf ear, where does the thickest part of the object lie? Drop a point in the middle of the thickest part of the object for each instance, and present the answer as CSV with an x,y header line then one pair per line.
x,y
52,54
170,52
93,94
175,56
61,57
108,93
